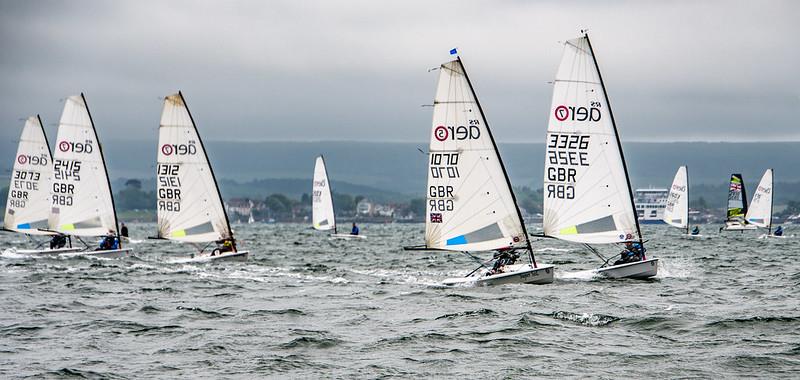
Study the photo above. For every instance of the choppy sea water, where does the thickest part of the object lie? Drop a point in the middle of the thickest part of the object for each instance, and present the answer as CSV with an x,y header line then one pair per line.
x,y
304,306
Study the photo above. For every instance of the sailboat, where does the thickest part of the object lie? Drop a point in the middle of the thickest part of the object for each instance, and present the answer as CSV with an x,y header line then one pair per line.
x,y
587,192
82,201
676,212
28,203
322,212
737,206
189,204
470,205
760,212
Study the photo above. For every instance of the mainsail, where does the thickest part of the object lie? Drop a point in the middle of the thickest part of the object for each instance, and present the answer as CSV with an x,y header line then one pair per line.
x,y
760,212
189,204
587,193
737,199
470,205
676,212
322,201
28,204
82,203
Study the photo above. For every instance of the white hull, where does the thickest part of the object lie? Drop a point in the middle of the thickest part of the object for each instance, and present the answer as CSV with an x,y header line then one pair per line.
x,y
695,237
108,254
46,252
347,236
765,236
515,274
736,226
206,257
639,269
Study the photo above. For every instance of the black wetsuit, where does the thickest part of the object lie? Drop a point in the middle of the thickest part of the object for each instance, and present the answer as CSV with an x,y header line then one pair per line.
x,y
58,241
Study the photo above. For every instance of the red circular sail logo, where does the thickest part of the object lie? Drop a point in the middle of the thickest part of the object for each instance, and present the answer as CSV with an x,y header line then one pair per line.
x,y
441,133
63,146
22,159
166,149
562,113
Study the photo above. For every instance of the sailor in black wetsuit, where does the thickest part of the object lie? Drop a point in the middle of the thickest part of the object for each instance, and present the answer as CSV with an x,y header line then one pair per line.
x,y
502,258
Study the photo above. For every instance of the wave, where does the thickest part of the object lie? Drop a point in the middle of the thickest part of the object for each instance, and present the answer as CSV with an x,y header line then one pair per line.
x,y
207,314
753,321
292,312
311,342
17,330
79,374
468,314
586,319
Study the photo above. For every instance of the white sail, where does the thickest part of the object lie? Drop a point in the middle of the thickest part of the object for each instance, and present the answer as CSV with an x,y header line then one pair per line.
x,y
676,212
28,203
469,203
587,197
189,204
322,201
82,203
760,211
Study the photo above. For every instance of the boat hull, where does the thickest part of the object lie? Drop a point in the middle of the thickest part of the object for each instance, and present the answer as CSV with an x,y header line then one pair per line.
x,y
227,256
518,274
736,226
347,236
638,270
107,254
46,252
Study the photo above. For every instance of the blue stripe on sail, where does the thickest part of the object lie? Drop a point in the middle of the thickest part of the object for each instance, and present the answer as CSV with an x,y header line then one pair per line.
x,y
457,240
25,226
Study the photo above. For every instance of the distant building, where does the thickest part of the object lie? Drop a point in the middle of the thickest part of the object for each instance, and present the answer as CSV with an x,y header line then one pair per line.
x,y
364,207
240,206
650,205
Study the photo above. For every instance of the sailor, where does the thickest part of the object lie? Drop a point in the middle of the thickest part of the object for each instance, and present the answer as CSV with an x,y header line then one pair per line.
x,y
58,241
109,242
626,256
638,252
503,257
124,230
227,245
354,230
778,231
696,230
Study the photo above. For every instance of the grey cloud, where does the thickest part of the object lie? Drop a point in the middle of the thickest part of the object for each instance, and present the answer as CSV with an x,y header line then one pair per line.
x,y
252,70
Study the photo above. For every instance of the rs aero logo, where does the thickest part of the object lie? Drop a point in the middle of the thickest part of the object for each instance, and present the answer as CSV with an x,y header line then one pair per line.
x,y
40,160
573,113
179,149
461,132
76,147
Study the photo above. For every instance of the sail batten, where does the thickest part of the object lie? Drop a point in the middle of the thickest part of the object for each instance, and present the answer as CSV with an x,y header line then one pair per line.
x,y
28,203
469,203
189,205
81,199
322,212
760,211
587,195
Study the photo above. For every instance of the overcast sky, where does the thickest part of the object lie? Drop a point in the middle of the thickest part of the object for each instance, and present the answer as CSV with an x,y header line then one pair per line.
x,y
357,70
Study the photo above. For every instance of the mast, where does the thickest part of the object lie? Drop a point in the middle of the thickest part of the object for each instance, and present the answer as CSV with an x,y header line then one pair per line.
x,y
771,199
45,137
105,168
500,161
330,191
619,143
211,169
687,198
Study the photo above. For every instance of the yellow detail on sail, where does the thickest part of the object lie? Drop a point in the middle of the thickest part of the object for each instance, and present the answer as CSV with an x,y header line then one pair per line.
x,y
569,231
178,233
67,227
